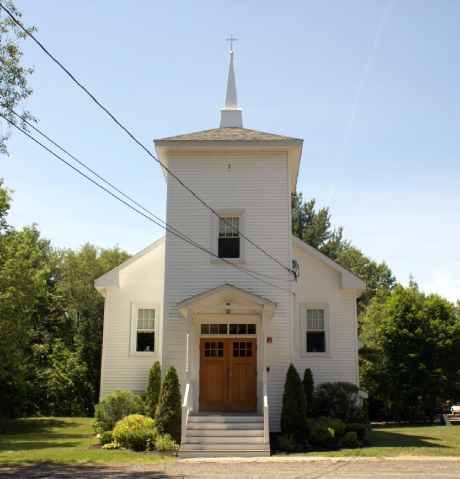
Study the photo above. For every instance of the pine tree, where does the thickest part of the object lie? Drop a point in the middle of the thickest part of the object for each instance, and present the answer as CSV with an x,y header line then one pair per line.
x,y
309,389
153,390
294,412
168,414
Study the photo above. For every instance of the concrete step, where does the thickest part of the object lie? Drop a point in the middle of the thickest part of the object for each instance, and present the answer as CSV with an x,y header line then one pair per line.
x,y
229,426
225,440
230,453
213,446
224,432
226,419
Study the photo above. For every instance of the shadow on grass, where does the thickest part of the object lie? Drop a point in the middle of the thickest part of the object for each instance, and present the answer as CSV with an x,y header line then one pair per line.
x,y
382,438
40,471
34,445
39,425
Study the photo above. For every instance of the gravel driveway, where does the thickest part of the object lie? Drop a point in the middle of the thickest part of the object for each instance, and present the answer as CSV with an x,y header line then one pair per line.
x,y
266,468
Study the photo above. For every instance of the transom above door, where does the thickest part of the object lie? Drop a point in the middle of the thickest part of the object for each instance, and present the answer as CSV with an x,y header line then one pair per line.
x,y
228,374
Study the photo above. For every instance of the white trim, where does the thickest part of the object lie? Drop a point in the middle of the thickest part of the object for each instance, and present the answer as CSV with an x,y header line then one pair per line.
x,y
104,347
303,334
215,235
134,308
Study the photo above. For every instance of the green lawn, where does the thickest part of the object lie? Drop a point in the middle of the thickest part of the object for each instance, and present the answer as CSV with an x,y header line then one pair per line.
x,y
62,441
406,441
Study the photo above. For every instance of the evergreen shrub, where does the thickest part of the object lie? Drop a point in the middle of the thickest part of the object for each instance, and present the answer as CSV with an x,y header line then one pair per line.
x,y
351,439
309,390
287,443
359,428
336,425
166,443
322,436
168,415
135,432
115,406
153,390
294,412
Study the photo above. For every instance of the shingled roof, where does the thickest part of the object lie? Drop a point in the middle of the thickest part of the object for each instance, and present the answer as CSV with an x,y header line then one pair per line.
x,y
229,134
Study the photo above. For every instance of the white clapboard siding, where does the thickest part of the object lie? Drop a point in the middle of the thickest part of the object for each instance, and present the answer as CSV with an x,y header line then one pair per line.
x,y
140,281
259,184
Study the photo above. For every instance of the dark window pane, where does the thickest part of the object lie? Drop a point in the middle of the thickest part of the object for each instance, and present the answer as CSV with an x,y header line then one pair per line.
x,y
145,341
242,328
207,345
220,345
316,342
205,329
235,345
220,353
213,353
251,329
249,345
213,345
214,328
249,354
235,353
222,329
242,345
207,353
229,248
242,353
233,329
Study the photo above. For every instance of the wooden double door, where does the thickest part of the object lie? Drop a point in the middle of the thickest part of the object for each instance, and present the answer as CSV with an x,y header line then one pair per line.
x,y
228,374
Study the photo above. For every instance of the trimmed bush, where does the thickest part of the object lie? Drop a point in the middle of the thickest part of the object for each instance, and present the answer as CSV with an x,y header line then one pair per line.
x,y
287,442
113,407
153,390
168,416
322,436
335,424
106,438
294,412
135,432
309,389
340,400
359,428
166,443
351,439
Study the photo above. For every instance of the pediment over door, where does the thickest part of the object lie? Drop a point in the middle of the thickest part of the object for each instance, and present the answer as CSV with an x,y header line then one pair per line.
x,y
227,300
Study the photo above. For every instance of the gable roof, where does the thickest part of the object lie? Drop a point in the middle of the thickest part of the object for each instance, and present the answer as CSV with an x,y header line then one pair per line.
x,y
349,280
111,279
228,134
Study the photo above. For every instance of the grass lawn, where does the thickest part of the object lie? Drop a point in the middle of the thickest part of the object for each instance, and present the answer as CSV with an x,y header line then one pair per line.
x,y
62,441
406,441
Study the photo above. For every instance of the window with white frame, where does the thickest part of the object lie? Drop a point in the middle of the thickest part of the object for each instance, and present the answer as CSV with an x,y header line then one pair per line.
x,y
315,329
227,241
144,319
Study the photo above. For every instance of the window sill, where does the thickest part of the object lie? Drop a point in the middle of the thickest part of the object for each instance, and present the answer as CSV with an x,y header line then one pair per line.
x,y
144,353
228,260
316,355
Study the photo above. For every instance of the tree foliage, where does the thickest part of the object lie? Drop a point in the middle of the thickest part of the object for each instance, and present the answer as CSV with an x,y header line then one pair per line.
x,y
153,389
14,88
412,345
293,412
168,416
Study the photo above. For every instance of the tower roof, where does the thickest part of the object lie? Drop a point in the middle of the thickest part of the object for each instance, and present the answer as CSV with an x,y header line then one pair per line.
x,y
231,116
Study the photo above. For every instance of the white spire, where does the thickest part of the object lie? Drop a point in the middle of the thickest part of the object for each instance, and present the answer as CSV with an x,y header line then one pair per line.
x,y
231,116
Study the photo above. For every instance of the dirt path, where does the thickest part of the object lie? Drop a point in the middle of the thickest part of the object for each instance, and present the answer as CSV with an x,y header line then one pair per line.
x,y
270,468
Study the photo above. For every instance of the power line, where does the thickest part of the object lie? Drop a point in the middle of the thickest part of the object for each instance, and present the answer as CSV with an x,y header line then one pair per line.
x,y
167,227
133,201
136,140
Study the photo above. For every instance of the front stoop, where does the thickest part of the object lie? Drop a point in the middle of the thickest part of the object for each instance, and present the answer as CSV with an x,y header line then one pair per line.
x,y
225,436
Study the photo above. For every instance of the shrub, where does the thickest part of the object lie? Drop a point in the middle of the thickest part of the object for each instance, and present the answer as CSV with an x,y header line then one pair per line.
x,y
339,400
287,442
322,436
168,416
294,412
335,424
359,428
106,438
135,432
111,445
309,389
153,390
166,443
115,406
351,439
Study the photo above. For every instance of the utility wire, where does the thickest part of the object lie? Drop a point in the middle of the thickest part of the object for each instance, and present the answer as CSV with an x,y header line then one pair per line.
x,y
179,235
133,201
135,139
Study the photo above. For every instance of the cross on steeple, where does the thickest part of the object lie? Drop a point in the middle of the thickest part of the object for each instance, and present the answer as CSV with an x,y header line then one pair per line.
x,y
231,40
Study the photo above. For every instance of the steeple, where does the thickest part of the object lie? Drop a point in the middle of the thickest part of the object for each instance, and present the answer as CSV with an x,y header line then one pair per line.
x,y
231,116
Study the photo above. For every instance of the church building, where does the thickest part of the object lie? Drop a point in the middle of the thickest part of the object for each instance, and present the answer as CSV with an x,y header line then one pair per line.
x,y
229,296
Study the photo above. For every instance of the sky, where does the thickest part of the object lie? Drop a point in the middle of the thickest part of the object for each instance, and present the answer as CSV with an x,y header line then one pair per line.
x,y
372,87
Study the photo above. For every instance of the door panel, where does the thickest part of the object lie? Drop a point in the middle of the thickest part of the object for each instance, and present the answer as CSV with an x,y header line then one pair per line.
x,y
228,374
213,374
